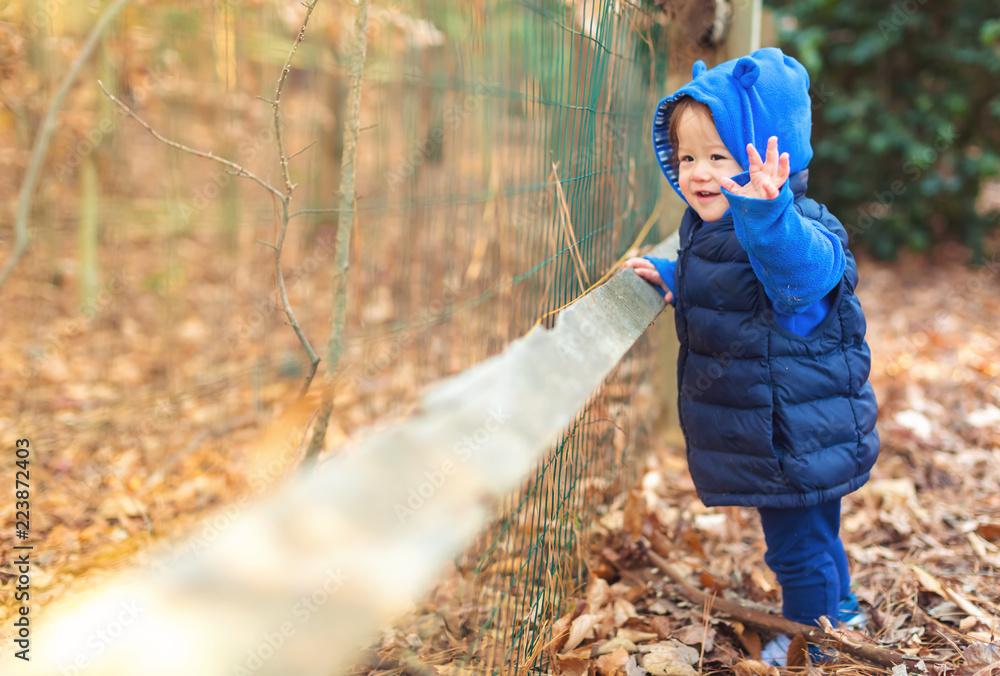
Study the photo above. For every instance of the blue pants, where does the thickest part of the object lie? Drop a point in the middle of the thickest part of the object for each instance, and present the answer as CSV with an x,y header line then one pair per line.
x,y
807,556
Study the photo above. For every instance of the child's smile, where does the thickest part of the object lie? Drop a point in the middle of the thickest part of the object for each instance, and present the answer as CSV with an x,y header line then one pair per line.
x,y
703,161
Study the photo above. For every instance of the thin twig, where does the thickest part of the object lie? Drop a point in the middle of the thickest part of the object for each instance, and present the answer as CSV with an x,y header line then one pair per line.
x,y
276,104
709,602
292,321
582,277
240,171
313,211
41,146
299,152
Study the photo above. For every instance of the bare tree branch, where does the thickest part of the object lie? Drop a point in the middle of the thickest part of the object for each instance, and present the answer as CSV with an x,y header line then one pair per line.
x,y
238,170
345,223
41,146
276,104
285,197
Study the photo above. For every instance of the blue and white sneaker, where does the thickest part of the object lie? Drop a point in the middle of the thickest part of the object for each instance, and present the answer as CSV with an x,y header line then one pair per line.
x,y
776,651
851,615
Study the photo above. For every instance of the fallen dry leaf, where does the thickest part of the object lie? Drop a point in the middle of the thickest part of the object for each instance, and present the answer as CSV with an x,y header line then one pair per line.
x,y
696,634
661,625
598,594
632,668
748,638
981,659
572,667
582,627
615,644
798,651
709,582
660,665
636,636
583,653
990,530
930,583
755,668
623,611
674,650
612,663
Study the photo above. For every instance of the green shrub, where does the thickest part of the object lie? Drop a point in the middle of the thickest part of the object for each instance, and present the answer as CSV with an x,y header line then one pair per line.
x,y
906,115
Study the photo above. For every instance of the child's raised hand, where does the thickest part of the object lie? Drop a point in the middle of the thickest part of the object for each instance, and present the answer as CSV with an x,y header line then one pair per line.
x,y
647,271
766,177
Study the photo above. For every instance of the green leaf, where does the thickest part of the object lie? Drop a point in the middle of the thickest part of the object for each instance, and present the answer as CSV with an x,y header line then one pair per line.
x,y
989,33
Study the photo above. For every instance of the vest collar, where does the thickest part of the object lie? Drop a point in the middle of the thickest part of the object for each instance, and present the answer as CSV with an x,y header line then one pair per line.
x,y
798,182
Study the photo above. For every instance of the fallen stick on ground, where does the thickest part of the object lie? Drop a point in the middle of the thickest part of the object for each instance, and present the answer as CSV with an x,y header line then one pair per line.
x,y
659,547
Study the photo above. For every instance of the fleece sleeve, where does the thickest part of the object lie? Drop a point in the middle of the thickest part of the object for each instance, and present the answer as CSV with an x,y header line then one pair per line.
x,y
797,260
665,267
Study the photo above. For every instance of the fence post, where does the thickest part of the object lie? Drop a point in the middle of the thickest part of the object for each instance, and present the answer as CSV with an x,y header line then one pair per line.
x,y
744,29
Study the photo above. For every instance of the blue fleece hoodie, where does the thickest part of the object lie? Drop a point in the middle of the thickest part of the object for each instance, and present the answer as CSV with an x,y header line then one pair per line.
x,y
753,98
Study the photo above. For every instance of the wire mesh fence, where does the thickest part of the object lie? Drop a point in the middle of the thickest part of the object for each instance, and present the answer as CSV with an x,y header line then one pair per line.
x,y
529,565
504,168
528,177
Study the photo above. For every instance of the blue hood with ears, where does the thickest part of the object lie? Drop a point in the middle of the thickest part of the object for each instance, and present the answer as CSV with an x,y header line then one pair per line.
x,y
752,98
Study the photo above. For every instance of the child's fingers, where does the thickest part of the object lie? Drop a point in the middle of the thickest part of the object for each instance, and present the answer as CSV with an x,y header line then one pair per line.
x,y
783,168
651,275
638,264
755,162
772,154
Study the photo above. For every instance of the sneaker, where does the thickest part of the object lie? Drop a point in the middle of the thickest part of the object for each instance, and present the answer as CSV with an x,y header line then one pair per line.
x,y
851,615
776,651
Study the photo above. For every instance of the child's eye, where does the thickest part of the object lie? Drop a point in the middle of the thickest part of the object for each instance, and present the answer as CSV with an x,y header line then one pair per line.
x,y
687,158
719,157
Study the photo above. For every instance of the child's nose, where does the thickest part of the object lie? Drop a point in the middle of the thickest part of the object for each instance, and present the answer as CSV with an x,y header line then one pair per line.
x,y
701,172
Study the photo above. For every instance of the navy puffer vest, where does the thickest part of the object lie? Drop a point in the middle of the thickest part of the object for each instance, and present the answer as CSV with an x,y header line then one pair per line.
x,y
771,419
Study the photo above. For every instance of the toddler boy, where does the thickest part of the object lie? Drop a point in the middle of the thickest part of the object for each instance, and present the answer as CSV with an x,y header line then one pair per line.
x,y
775,404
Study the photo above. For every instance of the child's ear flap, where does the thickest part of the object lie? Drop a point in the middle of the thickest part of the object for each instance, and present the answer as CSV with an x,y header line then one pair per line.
x,y
746,72
698,68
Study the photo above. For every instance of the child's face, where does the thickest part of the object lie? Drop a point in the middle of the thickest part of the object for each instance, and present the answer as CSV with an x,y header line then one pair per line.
x,y
703,161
